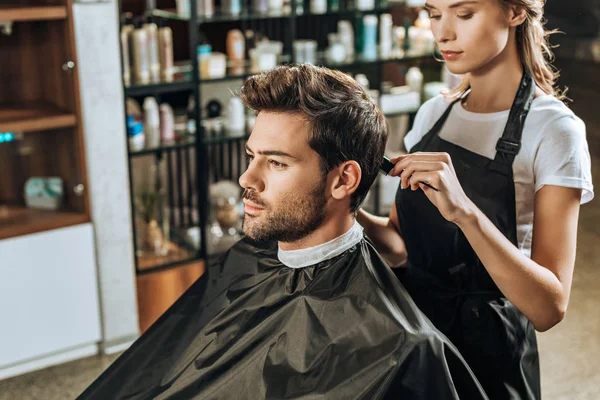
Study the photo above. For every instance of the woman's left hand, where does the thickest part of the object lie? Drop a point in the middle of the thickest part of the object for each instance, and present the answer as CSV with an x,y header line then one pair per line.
x,y
437,170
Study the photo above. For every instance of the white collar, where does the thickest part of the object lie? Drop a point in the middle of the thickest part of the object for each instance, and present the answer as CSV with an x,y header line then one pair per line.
x,y
323,252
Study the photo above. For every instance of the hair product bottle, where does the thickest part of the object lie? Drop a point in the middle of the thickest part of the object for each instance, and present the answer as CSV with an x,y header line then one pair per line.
x,y
167,123
385,35
152,32
151,122
140,54
165,44
236,50
369,37
126,31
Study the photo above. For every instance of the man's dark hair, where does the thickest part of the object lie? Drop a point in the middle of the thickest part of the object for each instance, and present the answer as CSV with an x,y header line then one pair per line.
x,y
344,123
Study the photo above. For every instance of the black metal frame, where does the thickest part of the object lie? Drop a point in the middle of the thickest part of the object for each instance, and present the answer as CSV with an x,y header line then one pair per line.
x,y
202,142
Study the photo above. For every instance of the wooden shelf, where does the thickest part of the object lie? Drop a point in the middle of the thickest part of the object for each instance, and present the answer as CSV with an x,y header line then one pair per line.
x,y
20,12
33,116
175,255
17,221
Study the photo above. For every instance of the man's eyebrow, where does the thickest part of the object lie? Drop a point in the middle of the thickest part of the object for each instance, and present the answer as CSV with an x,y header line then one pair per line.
x,y
453,5
271,153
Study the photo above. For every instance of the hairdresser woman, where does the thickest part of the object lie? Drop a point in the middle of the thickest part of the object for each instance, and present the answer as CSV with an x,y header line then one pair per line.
x,y
488,253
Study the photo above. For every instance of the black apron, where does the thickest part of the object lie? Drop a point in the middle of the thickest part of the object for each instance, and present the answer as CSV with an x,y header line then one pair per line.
x,y
446,278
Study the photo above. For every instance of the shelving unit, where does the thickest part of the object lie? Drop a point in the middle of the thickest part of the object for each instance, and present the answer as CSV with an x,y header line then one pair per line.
x,y
28,12
193,164
39,107
33,116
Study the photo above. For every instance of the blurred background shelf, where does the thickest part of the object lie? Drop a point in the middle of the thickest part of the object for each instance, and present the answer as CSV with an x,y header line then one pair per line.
x,y
33,116
28,12
160,88
176,255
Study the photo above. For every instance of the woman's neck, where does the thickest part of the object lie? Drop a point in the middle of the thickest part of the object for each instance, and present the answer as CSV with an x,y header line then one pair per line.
x,y
494,86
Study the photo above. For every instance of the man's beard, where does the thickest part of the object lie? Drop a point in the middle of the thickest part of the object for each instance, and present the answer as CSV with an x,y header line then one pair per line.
x,y
294,219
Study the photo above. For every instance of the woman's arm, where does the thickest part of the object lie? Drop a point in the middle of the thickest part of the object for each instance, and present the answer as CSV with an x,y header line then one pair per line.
x,y
385,235
539,287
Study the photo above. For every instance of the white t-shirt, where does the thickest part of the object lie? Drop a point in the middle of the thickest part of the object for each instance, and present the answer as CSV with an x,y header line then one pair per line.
x,y
554,149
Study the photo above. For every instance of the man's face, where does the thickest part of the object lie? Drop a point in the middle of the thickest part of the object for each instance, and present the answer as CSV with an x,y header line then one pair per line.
x,y
284,197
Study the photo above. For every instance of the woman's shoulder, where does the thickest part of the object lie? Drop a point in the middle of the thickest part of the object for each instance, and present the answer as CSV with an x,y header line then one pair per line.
x,y
435,105
549,117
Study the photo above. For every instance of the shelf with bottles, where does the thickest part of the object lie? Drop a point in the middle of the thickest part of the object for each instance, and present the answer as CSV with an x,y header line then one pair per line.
x,y
164,206
40,189
16,11
181,83
221,15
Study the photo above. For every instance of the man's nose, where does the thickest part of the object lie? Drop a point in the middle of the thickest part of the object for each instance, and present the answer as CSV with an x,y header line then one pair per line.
x,y
251,178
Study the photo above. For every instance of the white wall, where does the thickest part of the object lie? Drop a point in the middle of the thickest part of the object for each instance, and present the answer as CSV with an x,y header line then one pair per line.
x,y
48,299
97,40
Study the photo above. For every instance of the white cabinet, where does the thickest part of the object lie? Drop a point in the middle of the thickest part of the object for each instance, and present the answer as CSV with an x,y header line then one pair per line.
x,y
49,305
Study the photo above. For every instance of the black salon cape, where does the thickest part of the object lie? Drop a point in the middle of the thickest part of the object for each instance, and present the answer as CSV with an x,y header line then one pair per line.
x,y
252,328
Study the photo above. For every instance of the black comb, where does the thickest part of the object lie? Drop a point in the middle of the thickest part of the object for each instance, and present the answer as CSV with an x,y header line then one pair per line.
x,y
387,166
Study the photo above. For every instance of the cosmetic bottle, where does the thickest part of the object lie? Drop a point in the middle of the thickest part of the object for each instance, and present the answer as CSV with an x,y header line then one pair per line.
x,y
127,29
205,8
365,5
183,8
236,117
369,37
135,134
167,123
152,33
151,122
346,36
165,44
336,52
261,6
414,79
363,81
423,20
236,50
275,6
232,7
141,60
385,35
318,6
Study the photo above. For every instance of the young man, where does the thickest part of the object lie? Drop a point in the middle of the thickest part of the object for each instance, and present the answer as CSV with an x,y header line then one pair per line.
x,y
303,307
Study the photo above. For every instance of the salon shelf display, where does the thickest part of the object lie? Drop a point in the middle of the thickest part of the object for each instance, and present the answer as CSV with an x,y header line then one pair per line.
x,y
178,85
221,51
22,12
220,17
187,142
253,16
355,62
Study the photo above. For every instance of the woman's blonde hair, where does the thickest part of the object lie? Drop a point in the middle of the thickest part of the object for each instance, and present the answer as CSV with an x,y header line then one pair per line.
x,y
534,49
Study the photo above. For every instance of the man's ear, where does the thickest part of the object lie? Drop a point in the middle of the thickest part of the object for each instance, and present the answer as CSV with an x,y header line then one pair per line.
x,y
516,15
345,180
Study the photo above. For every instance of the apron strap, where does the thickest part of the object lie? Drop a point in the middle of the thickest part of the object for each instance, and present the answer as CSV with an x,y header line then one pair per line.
x,y
509,144
437,127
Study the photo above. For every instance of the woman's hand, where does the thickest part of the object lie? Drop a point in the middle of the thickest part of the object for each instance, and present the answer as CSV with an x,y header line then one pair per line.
x,y
436,170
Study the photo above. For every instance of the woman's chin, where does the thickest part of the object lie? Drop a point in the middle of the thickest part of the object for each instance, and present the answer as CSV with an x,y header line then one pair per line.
x,y
457,67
